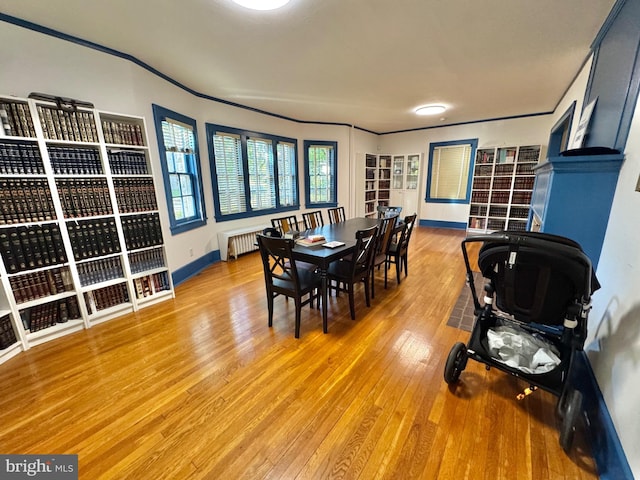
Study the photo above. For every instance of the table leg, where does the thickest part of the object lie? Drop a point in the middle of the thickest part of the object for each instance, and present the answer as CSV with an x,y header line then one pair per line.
x,y
325,297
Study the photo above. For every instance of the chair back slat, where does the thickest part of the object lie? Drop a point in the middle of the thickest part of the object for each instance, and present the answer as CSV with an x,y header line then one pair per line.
x,y
365,247
385,234
336,215
313,219
285,224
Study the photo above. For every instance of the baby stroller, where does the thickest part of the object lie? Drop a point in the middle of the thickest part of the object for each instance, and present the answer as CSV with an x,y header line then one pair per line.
x,y
542,285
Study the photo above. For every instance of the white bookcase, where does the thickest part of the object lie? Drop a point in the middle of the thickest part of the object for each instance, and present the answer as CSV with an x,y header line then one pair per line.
x,y
390,180
503,181
80,234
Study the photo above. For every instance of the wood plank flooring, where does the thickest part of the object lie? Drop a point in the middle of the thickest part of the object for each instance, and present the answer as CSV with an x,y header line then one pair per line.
x,y
201,388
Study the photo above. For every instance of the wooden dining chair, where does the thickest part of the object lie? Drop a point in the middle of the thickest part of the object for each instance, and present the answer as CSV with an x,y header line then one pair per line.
x,y
336,215
398,250
348,273
312,219
385,235
285,224
283,277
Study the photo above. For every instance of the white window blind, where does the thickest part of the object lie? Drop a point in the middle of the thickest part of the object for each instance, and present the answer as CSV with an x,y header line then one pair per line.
x,y
229,172
450,172
287,173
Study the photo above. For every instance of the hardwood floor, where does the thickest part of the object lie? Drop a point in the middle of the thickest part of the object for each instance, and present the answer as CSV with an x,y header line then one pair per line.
x,y
200,387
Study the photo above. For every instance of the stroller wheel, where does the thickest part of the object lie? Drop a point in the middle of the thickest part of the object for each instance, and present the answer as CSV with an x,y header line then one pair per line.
x,y
456,362
571,414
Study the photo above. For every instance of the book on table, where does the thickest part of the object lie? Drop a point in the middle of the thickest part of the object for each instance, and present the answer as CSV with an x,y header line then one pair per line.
x,y
312,240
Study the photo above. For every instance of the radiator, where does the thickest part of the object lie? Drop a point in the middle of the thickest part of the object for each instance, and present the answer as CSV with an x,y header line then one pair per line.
x,y
236,242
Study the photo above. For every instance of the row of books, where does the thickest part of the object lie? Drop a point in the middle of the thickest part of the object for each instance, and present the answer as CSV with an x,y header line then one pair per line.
x,y
67,125
101,270
20,157
24,200
48,314
15,119
7,334
122,133
146,260
84,197
135,194
151,284
124,162
28,247
141,231
75,161
93,238
106,297
41,283
529,154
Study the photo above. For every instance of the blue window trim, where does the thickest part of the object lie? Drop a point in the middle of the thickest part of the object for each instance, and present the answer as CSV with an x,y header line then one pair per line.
x,y
179,226
307,191
244,134
555,137
432,146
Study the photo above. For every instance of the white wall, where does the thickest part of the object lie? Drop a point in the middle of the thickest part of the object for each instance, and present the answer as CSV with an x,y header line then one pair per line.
x,y
613,345
33,62
522,131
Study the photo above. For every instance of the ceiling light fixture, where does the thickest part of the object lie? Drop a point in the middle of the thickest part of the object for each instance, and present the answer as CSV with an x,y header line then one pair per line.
x,y
262,4
430,110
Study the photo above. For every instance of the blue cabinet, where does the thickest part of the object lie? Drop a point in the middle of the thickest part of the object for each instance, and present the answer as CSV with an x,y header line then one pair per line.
x,y
572,197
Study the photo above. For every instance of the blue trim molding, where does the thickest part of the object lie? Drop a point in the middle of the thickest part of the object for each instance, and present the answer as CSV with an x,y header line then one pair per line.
x,y
200,219
443,224
605,445
432,146
95,46
192,269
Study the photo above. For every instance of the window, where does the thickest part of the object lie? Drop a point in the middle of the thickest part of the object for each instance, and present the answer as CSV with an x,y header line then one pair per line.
x,y
252,173
320,163
178,147
449,179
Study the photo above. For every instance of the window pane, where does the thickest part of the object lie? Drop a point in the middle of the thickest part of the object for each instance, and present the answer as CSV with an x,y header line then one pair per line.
x,y
321,179
175,185
180,163
171,166
185,185
177,208
261,174
189,206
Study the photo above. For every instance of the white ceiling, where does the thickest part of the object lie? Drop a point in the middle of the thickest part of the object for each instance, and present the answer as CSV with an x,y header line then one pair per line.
x,y
367,63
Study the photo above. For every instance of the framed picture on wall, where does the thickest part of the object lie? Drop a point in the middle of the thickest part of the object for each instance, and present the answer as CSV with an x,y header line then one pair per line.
x,y
583,126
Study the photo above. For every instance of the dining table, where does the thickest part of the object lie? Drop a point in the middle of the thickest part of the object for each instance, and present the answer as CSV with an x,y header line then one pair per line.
x,y
322,256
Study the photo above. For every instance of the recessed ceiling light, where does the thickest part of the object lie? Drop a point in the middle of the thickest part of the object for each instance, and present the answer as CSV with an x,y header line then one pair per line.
x,y
430,110
262,4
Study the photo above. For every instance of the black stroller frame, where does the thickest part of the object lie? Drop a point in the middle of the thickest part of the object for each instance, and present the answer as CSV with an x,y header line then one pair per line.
x,y
542,285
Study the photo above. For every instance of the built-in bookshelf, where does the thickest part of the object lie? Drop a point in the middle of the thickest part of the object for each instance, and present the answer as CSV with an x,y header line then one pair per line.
x,y
80,233
503,181
377,182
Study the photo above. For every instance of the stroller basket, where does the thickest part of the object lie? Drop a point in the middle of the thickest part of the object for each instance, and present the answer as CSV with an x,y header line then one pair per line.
x,y
538,292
